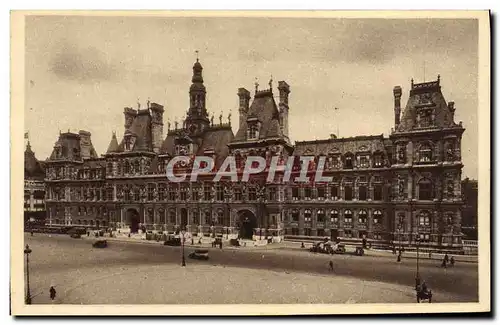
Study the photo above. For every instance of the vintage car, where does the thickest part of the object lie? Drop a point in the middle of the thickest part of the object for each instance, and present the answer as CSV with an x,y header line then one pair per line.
x,y
199,254
172,241
340,249
75,235
100,244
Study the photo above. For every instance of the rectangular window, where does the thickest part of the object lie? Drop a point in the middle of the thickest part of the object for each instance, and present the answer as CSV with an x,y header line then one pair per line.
x,y
335,192
348,220
252,194
295,231
172,193
321,232
272,194
348,233
321,193
378,162
219,192
110,194
151,189
295,193
364,162
307,231
207,192
295,216
195,193
348,193
183,193
377,192
362,193
237,194
307,193
161,192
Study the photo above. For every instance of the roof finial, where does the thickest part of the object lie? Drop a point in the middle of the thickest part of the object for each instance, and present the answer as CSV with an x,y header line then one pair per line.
x,y
168,124
229,118
148,102
220,118
271,82
439,77
411,82
197,58
138,103
256,84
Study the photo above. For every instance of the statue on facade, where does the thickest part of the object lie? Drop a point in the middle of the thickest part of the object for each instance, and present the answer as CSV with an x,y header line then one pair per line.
x,y
401,186
220,118
401,154
229,118
212,120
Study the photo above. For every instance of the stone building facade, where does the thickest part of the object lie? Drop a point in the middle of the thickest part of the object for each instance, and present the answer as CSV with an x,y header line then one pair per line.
x,y
392,190
34,188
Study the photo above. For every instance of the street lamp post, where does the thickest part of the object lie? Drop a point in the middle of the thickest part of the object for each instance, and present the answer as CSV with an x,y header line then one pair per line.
x,y
417,277
28,251
183,233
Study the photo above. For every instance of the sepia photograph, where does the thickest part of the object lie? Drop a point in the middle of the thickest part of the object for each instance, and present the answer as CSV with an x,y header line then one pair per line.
x,y
242,163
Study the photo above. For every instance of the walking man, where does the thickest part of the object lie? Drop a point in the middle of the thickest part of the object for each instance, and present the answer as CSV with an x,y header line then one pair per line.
x,y
52,293
331,266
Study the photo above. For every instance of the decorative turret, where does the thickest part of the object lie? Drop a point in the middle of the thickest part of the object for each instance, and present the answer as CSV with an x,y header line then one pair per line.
x,y
284,90
113,144
197,116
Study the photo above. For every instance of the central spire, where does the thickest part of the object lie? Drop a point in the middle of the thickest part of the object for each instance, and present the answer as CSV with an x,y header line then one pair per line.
x,y
197,71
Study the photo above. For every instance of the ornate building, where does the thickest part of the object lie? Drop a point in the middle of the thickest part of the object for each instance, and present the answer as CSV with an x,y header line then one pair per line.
x,y
34,188
391,190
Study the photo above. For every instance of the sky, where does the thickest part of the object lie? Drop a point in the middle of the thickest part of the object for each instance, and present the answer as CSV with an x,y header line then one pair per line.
x,y
81,71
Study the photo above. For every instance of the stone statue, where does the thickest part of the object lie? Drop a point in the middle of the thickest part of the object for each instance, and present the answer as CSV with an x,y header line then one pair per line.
x,y
220,118
168,125
401,184
176,124
229,118
212,120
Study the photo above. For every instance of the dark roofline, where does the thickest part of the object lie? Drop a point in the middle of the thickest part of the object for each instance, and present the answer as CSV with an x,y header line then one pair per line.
x,y
359,137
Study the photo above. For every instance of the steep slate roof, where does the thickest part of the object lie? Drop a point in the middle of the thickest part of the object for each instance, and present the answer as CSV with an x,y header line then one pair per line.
x,y
33,169
265,110
168,144
113,144
141,130
217,139
427,94
341,145
68,145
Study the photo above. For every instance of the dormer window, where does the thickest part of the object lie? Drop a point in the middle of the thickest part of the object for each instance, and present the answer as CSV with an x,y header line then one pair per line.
x,y
425,118
377,160
128,143
425,153
253,131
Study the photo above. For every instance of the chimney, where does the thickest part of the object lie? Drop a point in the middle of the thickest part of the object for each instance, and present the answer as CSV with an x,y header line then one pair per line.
x,y
130,115
244,96
284,90
157,125
397,104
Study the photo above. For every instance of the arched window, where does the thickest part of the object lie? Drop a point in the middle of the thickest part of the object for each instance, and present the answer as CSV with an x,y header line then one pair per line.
x,y
347,216
320,215
362,216
126,167
425,153
450,151
91,222
377,217
307,215
110,168
424,219
137,167
378,160
425,190
295,215
334,216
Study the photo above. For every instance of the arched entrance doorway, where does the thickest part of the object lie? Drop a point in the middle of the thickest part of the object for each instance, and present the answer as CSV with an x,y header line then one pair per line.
x,y
133,220
247,222
184,218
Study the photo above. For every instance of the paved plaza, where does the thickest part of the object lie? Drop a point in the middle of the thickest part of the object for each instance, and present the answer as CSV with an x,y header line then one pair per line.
x,y
132,273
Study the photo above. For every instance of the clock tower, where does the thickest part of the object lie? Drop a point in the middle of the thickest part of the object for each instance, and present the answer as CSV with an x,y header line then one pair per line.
x,y
197,118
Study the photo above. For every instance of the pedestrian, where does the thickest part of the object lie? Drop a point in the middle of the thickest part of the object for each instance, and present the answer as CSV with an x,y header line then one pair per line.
x,y
192,240
331,266
302,245
443,264
52,291
452,261
399,257
430,254
32,233
446,257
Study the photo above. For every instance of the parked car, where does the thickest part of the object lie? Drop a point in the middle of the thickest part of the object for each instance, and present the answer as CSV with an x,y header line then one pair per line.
x,y
172,241
340,249
199,254
100,244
